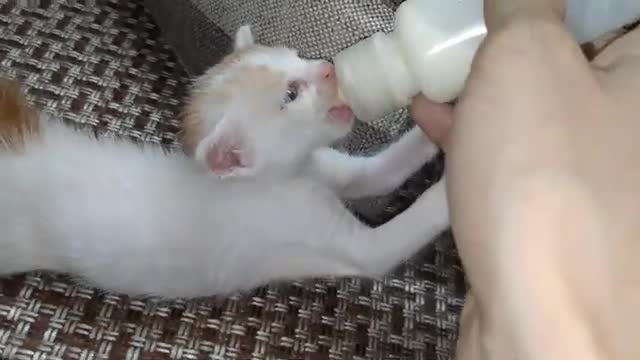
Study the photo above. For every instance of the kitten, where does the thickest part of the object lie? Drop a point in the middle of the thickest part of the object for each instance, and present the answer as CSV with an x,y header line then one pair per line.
x,y
144,222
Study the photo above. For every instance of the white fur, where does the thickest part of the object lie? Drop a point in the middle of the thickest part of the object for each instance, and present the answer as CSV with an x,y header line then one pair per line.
x,y
142,222
271,136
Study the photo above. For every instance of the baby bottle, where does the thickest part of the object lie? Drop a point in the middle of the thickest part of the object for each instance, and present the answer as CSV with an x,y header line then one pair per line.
x,y
432,47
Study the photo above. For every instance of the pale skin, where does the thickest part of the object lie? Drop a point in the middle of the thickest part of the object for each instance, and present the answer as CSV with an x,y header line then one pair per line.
x,y
543,167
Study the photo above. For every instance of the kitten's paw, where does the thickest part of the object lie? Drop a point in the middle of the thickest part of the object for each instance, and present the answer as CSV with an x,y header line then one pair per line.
x,y
426,148
437,203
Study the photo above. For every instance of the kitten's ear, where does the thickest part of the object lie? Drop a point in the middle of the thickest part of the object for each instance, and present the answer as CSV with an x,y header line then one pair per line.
x,y
244,38
227,151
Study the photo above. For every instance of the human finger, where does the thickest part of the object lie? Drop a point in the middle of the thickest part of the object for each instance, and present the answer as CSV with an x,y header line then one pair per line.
x,y
619,68
499,13
433,118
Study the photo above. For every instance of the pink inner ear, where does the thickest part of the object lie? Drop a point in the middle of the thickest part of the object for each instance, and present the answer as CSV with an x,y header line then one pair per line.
x,y
223,159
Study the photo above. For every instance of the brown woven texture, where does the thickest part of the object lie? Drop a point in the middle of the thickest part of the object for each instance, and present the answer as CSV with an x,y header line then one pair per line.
x,y
106,66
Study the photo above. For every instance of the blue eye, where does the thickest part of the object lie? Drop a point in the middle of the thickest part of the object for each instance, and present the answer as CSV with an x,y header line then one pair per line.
x,y
291,94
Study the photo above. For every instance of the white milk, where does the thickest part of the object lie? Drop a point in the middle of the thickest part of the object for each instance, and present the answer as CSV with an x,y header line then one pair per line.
x,y
433,45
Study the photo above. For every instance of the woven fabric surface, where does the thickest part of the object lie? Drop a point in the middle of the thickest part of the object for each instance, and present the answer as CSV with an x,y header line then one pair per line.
x,y
106,66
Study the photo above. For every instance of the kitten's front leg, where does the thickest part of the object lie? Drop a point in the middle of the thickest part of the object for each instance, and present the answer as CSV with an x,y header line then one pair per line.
x,y
327,240
378,250
357,177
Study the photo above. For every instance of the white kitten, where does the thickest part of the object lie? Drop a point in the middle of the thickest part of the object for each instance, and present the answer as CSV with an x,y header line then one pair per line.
x,y
143,222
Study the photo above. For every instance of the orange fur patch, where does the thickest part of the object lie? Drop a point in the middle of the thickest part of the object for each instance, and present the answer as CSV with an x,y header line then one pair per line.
x,y
249,78
191,132
18,121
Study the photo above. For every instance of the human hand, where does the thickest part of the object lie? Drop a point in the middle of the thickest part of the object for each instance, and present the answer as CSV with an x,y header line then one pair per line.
x,y
543,168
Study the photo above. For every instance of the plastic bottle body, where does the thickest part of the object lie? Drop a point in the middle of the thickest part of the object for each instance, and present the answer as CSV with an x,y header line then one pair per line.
x,y
432,47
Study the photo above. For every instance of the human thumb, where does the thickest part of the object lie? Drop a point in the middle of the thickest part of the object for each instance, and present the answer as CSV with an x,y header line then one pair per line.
x,y
499,13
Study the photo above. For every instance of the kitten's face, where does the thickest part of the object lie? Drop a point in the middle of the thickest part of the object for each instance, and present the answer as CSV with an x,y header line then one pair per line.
x,y
266,106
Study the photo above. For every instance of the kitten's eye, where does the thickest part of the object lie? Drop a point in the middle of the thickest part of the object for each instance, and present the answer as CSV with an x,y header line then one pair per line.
x,y
291,94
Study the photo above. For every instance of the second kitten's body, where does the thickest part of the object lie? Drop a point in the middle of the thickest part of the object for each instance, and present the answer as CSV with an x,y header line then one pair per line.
x,y
143,222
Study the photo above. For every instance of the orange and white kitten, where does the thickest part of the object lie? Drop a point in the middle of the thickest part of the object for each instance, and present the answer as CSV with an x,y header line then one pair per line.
x,y
144,222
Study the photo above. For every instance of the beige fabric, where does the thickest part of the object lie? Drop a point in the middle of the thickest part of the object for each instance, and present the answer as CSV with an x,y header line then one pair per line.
x,y
317,28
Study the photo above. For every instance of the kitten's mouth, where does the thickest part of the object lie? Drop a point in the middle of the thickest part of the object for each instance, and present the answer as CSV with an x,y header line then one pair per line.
x,y
341,113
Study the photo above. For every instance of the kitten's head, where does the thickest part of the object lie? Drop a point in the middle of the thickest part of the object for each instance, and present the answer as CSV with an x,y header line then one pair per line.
x,y
262,108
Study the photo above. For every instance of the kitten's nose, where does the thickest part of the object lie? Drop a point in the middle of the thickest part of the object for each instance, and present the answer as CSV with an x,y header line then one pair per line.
x,y
328,71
